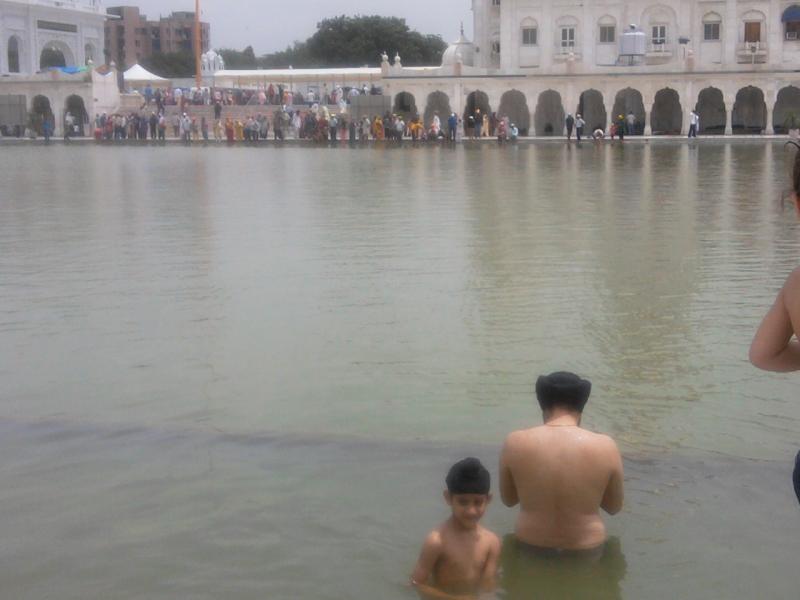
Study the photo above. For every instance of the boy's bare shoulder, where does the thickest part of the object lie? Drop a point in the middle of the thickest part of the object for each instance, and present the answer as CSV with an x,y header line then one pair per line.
x,y
490,538
435,538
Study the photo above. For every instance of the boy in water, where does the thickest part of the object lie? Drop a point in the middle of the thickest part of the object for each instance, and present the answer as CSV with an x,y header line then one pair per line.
x,y
459,558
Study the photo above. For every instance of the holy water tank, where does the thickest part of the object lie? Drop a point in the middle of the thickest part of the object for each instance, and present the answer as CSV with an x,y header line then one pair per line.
x,y
633,42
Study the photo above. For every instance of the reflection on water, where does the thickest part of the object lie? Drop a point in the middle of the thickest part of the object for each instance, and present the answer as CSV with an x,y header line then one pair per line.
x,y
231,372
528,576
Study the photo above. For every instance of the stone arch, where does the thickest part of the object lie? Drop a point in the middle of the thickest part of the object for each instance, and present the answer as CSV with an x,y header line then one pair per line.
x,y
593,110
549,115
437,102
14,51
786,114
659,13
666,117
75,105
749,111
606,21
40,111
56,53
710,108
405,104
476,100
514,105
629,101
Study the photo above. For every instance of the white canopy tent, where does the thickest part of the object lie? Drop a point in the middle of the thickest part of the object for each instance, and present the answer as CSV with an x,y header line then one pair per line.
x,y
137,75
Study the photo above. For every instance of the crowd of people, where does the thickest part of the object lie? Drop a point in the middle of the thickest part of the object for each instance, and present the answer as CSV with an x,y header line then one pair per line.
x,y
315,123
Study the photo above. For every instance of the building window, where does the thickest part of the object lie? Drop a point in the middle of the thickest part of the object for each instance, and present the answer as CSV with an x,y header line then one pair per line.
x,y
495,2
567,37
607,34
711,32
659,34
529,36
752,32
495,47
13,55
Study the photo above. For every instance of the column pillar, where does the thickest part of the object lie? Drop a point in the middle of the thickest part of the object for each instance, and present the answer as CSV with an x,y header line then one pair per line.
x,y
648,113
769,129
728,117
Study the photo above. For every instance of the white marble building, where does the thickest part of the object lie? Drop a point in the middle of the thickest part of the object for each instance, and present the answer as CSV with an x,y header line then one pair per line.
x,y
73,28
68,33
735,62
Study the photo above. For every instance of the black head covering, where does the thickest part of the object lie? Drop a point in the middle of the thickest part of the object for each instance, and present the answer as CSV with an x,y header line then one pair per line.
x,y
563,389
468,476
796,476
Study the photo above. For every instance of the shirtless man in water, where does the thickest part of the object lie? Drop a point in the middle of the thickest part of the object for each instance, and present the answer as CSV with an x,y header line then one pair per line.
x,y
560,474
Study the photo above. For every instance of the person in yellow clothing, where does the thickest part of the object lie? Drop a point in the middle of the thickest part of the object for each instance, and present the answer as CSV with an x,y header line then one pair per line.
x,y
379,133
239,128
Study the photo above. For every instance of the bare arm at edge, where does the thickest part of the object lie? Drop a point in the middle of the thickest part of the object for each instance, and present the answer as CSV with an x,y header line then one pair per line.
x,y
773,348
614,495
508,488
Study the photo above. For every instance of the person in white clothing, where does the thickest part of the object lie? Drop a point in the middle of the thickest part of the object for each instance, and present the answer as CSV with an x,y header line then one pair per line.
x,y
694,124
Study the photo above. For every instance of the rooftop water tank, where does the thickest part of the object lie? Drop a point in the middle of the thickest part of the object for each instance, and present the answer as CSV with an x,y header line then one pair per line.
x,y
633,42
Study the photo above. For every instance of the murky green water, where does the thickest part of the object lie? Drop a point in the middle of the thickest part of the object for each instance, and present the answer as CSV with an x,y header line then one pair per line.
x,y
240,373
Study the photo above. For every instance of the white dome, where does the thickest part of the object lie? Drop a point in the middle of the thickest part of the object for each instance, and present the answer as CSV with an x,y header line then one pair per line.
x,y
461,51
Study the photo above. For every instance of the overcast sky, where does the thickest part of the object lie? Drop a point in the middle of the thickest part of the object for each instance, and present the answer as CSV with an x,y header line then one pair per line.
x,y
270,25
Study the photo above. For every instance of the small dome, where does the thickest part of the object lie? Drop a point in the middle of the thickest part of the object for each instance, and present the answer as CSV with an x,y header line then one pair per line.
x,y
461,51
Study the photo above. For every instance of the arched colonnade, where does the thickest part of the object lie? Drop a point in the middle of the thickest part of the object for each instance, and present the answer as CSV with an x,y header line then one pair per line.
x,y
662,110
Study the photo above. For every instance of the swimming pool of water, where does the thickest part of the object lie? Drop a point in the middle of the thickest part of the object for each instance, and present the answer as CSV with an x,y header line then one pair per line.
x,y
236,372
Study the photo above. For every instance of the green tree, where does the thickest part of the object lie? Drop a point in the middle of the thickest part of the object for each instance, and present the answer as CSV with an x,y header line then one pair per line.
x,y
234,59
170,64
355,41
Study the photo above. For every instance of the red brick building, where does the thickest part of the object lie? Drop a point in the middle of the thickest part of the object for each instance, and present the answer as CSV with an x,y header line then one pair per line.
x,y
131,38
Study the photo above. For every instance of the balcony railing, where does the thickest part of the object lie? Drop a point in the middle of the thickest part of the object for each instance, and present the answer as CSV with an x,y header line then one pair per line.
x,y
752,52
659,47
563,50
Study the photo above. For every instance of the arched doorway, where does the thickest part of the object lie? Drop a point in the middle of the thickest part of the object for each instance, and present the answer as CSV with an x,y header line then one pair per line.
x,y
13,54
89,54
667,115
52,57
786,115
592,110
77,108
710,108
514,105
56,53
548,119
629,101
749,111
405,104
40,112
476,100
438,102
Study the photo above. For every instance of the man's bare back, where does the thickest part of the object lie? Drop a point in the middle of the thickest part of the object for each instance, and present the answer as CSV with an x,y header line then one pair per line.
x,y
561,476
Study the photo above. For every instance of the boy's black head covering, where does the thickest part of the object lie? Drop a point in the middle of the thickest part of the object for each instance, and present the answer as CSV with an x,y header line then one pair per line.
x,y
563,389
468,476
